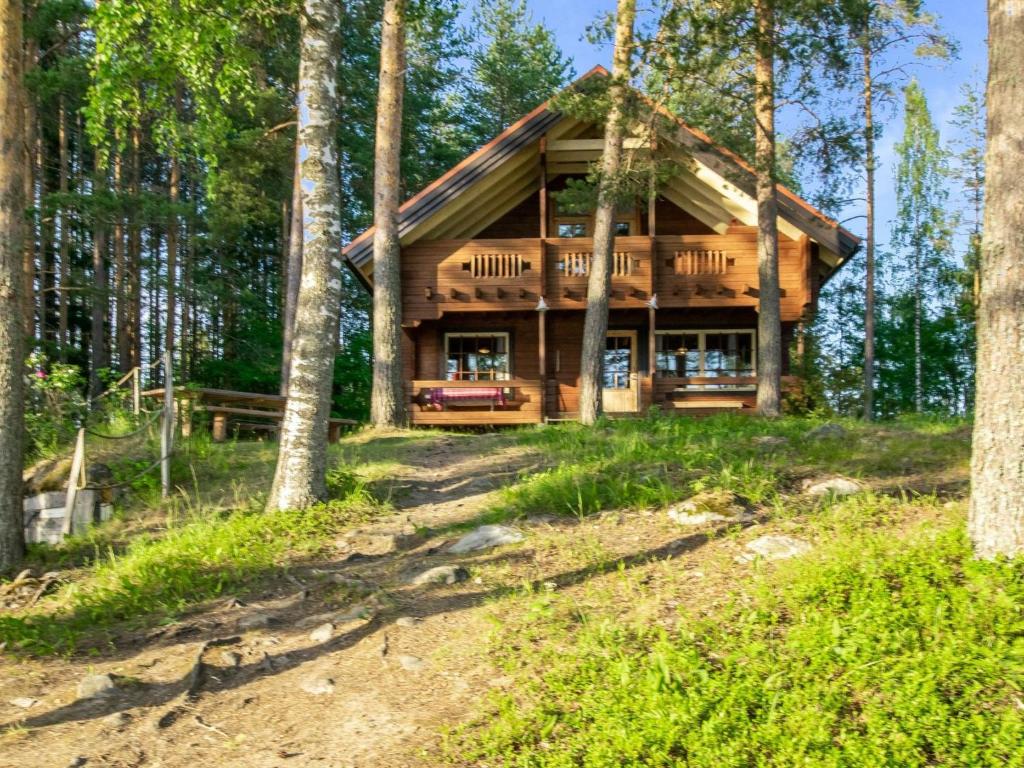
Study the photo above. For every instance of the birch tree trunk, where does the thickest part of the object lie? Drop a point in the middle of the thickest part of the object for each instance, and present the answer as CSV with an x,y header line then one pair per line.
x,y
293,271
387,402
869,241
769,323
12,211
172,256
996,517
595,326
299,480
133,332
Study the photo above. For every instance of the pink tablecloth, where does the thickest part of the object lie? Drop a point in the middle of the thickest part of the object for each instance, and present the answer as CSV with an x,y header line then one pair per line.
x,y
440,395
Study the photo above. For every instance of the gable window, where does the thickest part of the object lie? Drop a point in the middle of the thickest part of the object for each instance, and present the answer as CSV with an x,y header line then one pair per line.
x,y
476,356
705,354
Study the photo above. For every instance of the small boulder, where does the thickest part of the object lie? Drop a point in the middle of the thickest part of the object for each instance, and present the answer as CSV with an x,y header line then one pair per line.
x,y
411,663
485,537
407,622
23,702
827,431
442,574
318,685
94,686
832,486
323,633
774,547
231,659
254,621
711,507
769,442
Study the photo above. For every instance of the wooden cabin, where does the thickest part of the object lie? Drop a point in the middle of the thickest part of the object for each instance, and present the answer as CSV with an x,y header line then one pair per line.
x,y
494,277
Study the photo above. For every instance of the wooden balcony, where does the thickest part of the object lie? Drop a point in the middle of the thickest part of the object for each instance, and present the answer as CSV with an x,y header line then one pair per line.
x,y
455,403
448,276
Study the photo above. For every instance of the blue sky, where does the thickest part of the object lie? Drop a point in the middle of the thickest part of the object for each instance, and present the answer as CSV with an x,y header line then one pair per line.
x,y
964,20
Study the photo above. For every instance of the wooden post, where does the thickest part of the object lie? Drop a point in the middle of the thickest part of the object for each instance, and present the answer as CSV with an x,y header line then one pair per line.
x,y
220,427
167,433
543,189
542,360
76,477
136,390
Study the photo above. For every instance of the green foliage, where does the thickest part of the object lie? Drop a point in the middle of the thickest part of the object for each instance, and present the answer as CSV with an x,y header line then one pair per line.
x,y
516,66
875,650
157,578
54,405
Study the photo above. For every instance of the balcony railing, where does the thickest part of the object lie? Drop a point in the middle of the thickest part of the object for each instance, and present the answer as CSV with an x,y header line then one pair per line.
x,y
513,274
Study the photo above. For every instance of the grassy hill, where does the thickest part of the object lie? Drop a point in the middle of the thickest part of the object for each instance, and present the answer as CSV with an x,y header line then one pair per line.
x,y
620,636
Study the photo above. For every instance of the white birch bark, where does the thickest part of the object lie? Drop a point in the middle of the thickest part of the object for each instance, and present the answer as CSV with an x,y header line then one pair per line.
x,y
302,454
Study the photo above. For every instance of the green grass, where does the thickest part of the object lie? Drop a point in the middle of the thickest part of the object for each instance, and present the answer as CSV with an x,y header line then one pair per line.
x,y
884,647
650,462
158,577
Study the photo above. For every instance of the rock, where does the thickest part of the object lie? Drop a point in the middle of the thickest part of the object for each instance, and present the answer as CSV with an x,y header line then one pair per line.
x,y
769,441
94,686
711,507
411,663
318,685
828,431
117,719
485,537
315,620
254,621
381,541
231,659
23,702
355,613
832,486
408,622
323,633
442,574
774,547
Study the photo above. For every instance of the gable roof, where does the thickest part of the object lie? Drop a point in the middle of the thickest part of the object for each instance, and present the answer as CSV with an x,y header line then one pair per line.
x,y
720,165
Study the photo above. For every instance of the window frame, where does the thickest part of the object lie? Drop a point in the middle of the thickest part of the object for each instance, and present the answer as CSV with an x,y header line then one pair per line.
x,y
702,335
507,335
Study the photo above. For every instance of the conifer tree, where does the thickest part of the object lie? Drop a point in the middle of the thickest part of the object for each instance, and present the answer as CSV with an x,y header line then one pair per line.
x,y
996,515
519,67
12,213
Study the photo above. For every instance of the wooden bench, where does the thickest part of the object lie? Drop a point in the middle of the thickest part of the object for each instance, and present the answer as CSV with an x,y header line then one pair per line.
x,y
220,414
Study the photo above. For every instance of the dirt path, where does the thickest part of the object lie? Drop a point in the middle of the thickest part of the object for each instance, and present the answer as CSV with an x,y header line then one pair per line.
x,y
346,663
379,688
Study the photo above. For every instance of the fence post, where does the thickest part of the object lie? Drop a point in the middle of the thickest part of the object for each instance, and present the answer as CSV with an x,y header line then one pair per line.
x,y
77,462
137,390
167,433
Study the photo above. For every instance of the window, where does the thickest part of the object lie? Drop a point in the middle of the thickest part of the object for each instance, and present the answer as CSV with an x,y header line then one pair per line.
x,y
568,228
709,354
476,356
623,228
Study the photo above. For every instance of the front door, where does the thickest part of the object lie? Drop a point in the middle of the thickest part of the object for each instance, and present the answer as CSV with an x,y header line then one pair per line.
x,y
620,366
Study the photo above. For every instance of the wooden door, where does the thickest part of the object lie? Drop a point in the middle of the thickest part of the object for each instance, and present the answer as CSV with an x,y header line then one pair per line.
x,y
620,393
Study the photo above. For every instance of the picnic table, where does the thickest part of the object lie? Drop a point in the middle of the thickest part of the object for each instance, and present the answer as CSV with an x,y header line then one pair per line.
x,y
223,404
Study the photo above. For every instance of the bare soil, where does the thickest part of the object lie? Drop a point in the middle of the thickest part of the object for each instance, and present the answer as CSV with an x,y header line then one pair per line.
x,y
405,663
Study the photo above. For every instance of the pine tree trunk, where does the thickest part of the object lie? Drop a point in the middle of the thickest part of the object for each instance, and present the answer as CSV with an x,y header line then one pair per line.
x,y
769,323
33,168
996,519
599,284
293,271
302,455
918,309
100,300
172,255
387,403
12,212
869,242
120,275
65,232
133,332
